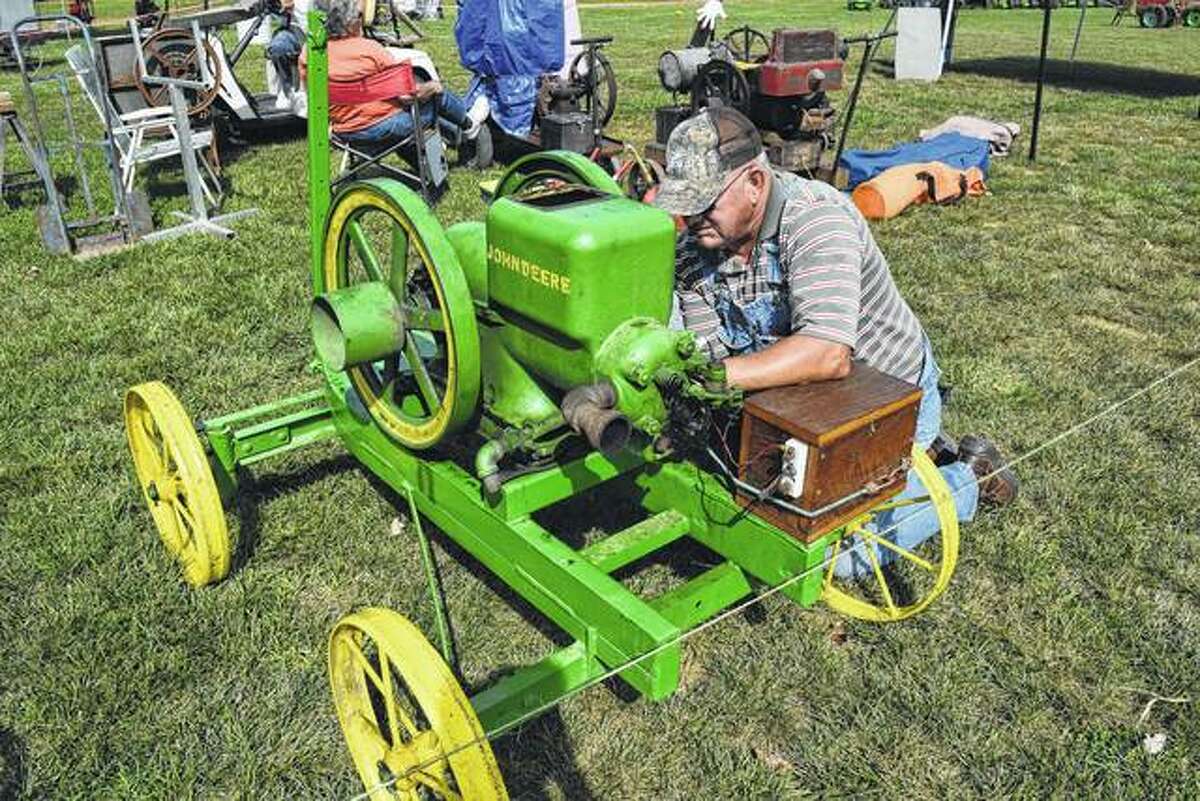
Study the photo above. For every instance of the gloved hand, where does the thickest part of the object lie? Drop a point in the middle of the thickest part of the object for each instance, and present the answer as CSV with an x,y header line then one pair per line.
x,y
709,13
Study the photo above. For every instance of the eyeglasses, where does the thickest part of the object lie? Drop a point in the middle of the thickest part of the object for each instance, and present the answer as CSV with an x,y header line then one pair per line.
x,y
711,206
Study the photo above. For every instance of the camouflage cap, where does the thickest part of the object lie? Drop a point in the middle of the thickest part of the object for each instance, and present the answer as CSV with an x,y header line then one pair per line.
x,y
701,152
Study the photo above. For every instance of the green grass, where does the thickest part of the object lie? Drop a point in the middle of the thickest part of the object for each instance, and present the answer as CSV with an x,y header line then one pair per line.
x,y
1072,285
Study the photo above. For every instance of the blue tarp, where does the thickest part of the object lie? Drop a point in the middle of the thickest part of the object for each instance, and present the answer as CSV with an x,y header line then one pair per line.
x,y
951,148
507,45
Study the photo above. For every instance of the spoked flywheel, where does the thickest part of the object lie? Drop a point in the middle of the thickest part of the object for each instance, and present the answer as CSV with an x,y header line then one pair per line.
x,y
381,232
410,729
602,86
177,482
872,577
551,170
172,53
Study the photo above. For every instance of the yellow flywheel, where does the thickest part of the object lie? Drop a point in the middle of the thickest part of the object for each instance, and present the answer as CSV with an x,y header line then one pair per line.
x,y
410,728
172,469
912,579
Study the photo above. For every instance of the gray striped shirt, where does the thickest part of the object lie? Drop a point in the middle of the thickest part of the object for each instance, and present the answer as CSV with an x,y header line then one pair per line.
x,y
815,270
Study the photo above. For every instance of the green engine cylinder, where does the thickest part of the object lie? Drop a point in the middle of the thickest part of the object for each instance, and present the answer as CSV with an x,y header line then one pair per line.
x,y
567,268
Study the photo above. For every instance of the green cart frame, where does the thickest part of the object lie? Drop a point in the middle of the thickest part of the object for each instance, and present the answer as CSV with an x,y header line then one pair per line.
x,y
411,730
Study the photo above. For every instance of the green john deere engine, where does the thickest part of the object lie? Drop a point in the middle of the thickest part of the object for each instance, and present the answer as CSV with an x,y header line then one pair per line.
x,y
546,321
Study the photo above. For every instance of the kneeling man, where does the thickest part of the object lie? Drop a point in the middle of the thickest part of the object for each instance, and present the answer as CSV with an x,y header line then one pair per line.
x,y
781,279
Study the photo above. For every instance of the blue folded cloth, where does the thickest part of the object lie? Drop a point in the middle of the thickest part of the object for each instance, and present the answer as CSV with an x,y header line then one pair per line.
x,y
951,148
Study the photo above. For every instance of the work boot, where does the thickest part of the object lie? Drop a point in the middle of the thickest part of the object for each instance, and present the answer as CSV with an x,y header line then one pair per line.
x,y
997,484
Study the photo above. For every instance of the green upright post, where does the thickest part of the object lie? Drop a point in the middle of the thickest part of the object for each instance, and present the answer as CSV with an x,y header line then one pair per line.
x,y
318,139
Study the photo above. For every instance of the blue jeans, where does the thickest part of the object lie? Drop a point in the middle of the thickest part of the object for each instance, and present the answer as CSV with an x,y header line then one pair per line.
x,y
451,118
284,53
909,526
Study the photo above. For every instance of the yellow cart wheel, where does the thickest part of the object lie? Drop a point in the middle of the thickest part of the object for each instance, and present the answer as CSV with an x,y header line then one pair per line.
x,y
410,729
177,482
915,578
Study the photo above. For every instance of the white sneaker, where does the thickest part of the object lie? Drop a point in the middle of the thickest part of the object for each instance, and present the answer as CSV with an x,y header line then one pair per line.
x,y
300,105
479,111
282,102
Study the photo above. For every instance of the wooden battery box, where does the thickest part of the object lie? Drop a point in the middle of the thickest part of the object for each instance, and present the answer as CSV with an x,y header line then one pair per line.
x,y
846,436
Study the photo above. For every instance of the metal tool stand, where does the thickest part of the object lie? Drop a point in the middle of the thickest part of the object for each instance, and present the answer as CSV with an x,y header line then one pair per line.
x,y
198,221
17,180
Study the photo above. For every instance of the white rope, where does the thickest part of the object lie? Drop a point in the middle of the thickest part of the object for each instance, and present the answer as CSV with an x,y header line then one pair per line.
x,y
733,610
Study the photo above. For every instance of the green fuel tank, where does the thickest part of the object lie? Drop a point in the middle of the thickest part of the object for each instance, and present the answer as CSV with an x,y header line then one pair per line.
x,y
565,269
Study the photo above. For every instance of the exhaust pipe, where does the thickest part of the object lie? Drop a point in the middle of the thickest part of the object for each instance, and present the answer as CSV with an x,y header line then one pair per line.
x,y
588,410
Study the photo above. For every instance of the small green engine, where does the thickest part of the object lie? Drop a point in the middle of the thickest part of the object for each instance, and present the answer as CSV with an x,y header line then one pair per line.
x,y
570,286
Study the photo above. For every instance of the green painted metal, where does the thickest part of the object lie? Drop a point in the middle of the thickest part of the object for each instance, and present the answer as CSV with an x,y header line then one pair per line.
x,y
318,139
617,550
718,522
537,491
469,240
585,602
440,619
565,277
258,433
527,690
704,596
510,393
454,315
555,165
357,325
533,344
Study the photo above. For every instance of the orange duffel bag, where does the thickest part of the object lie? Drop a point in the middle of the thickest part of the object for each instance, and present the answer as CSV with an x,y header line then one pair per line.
x,y
897,188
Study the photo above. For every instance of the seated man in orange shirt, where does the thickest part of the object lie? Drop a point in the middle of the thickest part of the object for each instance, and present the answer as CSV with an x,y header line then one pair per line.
x,y
353,56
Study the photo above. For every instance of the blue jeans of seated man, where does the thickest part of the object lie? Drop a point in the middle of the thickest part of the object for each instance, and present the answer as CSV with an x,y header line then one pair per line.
x,y
451,117
284,52
909,526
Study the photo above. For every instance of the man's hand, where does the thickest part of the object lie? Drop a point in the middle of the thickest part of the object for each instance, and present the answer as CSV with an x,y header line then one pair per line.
x,y
796,359
709,13
428,90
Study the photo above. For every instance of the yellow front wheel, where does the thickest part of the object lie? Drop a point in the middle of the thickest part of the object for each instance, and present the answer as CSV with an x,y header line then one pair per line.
x,y
904,582
410,728
177,483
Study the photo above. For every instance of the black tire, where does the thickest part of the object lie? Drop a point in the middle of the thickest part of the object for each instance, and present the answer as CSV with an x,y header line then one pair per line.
x,y
1191,17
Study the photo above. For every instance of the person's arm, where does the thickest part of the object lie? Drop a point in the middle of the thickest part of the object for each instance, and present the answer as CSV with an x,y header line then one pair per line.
x,y
822,253
796,359
428,89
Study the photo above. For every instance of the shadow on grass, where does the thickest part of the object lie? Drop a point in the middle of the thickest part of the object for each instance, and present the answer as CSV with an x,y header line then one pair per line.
x,y
527,771
12,764
1085,76
254,490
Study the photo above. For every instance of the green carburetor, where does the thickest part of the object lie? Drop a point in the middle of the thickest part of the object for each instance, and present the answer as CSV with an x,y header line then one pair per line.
x,y
570,288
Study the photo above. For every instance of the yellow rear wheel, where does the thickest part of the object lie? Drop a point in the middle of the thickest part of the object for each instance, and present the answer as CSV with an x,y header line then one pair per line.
x,y
177,483
410,728
915,577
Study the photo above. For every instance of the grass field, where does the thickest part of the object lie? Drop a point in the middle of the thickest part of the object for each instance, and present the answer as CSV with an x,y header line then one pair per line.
x,y
1071,286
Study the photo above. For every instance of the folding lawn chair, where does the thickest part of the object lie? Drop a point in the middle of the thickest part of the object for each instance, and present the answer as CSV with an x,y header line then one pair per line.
x,y
423,148
145,135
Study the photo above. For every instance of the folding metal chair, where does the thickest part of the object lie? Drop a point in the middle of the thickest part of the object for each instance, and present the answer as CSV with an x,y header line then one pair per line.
x,y
423,148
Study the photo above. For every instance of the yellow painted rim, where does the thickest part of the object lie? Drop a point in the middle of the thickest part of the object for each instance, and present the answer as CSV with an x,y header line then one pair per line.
x,y
429,432
846,595
177,483
411,730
